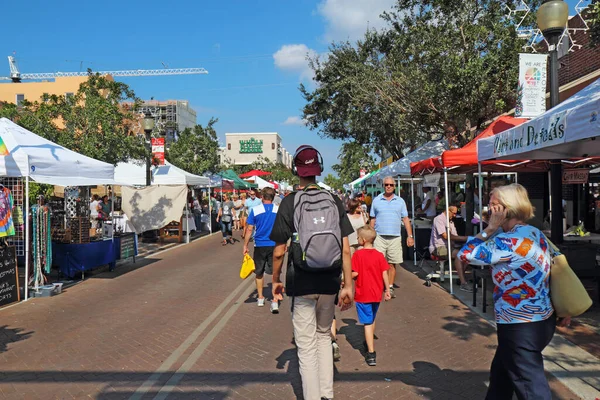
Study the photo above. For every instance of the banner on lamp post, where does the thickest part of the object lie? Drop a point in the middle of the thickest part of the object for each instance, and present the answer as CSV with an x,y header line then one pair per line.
x,y
531,93
158,150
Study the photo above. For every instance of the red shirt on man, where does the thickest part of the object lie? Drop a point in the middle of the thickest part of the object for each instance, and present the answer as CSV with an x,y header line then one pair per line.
x,y
370,265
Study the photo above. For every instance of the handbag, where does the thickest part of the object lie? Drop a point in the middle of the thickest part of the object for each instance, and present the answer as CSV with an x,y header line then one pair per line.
x,y
247,266
567,293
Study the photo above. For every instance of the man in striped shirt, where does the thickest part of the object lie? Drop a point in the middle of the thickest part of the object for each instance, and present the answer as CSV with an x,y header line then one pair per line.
x,y
388,211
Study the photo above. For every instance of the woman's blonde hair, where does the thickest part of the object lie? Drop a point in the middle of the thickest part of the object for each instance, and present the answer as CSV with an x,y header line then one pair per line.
x,y
515,199
243,196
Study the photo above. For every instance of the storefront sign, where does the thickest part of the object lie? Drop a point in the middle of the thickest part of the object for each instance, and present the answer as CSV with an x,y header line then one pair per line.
x,y
530,136
251,146
9,276
158,150
575,176
531,93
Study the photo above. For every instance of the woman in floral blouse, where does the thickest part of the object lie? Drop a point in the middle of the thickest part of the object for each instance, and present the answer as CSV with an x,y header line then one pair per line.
x,y
520,260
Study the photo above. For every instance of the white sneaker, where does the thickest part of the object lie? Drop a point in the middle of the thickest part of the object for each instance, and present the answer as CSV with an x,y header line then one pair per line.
x,y
261,302
274,307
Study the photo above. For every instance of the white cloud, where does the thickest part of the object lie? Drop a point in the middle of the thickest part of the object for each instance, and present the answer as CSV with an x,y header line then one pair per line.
x,y
293,57
295,121
349,19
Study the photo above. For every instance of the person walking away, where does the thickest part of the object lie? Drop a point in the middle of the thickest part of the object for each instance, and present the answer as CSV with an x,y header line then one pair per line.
x,y
277,199
370,274
438,243
262,218
226,218
319,251
237,210
520,260
428,205
243,214
251,202
387,213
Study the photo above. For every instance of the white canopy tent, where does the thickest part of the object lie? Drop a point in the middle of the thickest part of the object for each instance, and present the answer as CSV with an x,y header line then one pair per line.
x,y
26,154
402,166
23,154
567,131
260,182
324,186
135,175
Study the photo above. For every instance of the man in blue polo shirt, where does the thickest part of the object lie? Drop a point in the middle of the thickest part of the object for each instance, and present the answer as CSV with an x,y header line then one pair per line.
x,y
262,217
388,211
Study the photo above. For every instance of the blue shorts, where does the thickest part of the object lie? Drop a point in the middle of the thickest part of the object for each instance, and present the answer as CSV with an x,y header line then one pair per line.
x,y
366,312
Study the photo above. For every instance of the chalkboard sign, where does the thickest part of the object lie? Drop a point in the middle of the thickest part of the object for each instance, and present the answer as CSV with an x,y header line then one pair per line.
x,y
9,276
128,246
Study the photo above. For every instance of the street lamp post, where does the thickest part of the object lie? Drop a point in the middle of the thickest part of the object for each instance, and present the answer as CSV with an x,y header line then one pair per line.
x,y
148,126
552,18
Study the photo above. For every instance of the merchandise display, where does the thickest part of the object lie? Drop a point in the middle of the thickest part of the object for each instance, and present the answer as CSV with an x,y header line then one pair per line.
x,y
7,227
42,243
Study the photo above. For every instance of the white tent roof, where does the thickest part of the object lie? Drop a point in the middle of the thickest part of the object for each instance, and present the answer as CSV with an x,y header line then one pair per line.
x,y
324,186
135,174
351,184
47,162
260,182
567,131
402,166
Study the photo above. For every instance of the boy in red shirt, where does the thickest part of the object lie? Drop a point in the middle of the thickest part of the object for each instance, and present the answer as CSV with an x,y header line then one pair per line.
x,y
369,271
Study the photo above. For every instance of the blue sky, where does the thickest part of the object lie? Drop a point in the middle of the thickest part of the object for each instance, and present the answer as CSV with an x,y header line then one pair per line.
x,y
254,51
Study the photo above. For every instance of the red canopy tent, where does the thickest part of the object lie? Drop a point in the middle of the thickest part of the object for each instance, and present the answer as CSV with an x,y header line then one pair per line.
x,y
254,172
464,160
275,185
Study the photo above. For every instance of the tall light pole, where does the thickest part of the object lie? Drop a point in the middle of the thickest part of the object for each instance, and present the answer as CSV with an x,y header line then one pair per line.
x,y
552,18
148,126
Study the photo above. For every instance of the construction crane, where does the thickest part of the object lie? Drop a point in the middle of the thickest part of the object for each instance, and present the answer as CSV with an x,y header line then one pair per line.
x,y
16,76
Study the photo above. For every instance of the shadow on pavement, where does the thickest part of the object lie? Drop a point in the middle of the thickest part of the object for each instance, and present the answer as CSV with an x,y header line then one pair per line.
x,y
290,358
467,326
188,395
354,333
120,270
429,380
11,335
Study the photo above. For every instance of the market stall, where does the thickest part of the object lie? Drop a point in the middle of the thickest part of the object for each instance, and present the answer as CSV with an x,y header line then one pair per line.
x,y
134,174
26,157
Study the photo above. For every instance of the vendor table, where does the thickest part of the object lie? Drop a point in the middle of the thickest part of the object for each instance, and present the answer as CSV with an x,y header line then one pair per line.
x,y
122,224
77,258
73,258
592,238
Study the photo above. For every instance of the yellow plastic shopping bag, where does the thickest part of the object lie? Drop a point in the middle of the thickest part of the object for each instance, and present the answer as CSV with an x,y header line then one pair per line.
x,y
247,266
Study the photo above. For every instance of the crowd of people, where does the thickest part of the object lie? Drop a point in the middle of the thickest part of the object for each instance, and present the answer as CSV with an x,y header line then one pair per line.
x,y
354,256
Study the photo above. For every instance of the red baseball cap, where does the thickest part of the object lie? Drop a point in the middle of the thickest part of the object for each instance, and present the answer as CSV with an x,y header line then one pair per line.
x,y
307,161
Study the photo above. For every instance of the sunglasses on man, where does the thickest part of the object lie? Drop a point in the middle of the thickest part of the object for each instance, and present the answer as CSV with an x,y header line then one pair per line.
x,y
389,184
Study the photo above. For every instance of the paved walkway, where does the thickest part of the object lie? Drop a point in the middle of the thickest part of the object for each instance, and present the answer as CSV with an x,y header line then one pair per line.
x,y
182,325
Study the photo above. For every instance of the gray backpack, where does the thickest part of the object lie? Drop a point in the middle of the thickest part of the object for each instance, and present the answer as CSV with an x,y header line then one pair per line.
x,y
318,245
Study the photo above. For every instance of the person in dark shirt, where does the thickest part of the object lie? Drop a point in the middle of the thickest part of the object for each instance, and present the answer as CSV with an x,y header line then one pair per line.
x,y
313,293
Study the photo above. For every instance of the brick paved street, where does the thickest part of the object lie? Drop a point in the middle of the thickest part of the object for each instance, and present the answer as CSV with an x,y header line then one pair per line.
x,y
182,325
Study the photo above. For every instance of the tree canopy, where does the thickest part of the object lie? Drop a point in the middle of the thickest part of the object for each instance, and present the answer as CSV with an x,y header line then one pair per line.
x,y
92,121
353,157
333,182
439,68
196,150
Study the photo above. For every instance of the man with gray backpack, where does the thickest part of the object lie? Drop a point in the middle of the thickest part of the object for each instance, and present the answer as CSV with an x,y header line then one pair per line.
x,y
319,251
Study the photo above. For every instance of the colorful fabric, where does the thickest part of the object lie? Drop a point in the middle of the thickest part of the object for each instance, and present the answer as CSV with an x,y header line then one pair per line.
x,y
7,227
370,265
388,214
520,261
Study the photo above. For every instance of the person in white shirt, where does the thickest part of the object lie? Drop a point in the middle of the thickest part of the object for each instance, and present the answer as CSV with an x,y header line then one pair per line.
x,y
428,206
94,210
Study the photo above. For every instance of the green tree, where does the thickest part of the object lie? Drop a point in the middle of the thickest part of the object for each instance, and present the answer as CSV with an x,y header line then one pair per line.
x,y
196,150
334,182
92,122
441,67
593,17
353,157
